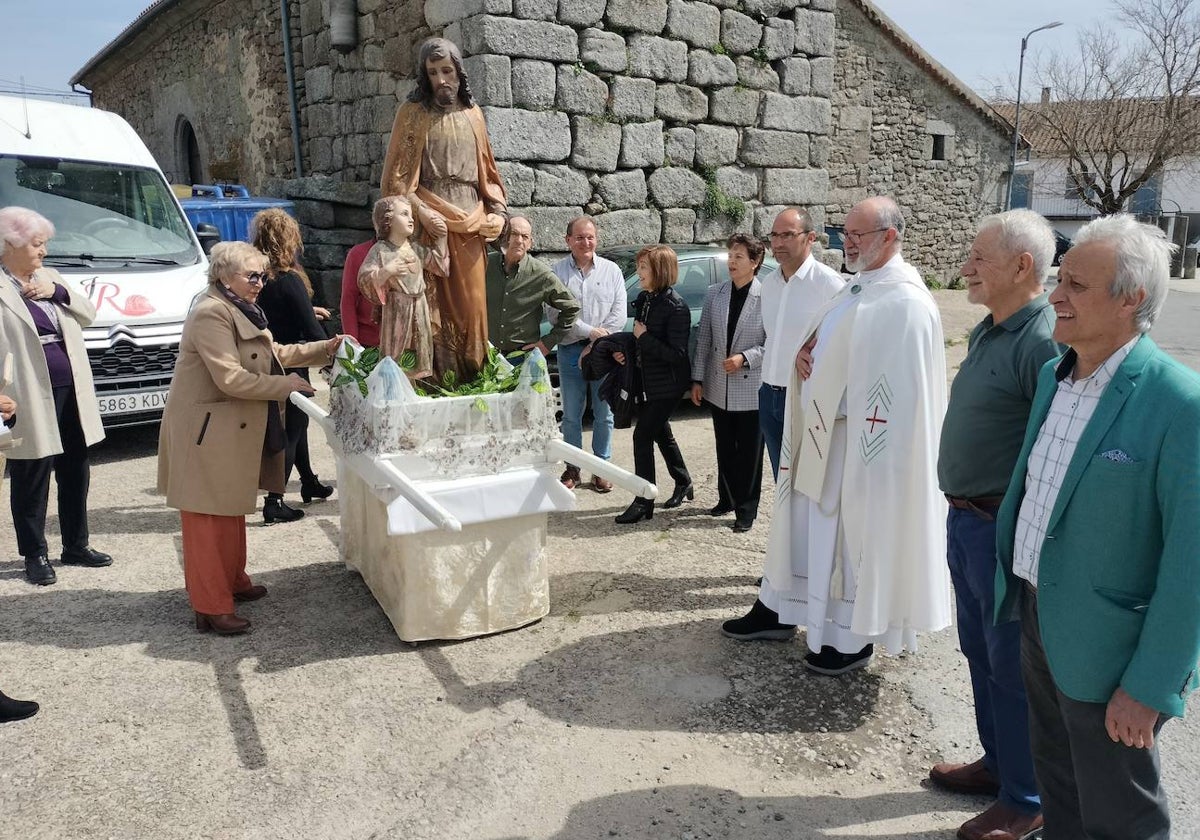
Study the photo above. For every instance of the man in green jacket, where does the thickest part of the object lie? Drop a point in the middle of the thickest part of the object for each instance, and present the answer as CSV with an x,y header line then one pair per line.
x,y
518,286
1098,539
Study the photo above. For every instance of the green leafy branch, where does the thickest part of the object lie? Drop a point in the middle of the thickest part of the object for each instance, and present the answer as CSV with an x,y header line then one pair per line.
x,y
495,377
357,368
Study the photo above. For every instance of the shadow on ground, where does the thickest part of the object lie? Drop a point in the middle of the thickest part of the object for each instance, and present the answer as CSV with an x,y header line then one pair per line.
x,y
676,677
682,677
294,626
695,811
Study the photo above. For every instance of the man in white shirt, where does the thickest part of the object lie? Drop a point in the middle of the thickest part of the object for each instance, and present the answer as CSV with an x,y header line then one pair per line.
x,y
858,525
1097,540
791,295
599,286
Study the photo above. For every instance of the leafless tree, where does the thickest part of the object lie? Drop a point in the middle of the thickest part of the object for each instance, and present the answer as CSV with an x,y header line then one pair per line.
x,y
1123,109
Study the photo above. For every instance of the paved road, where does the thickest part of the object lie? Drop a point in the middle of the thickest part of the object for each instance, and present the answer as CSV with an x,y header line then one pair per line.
x,y
1178,328
622,714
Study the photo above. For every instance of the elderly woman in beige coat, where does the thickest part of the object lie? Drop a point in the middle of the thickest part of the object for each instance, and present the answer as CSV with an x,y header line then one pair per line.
x,y
41,324
222,436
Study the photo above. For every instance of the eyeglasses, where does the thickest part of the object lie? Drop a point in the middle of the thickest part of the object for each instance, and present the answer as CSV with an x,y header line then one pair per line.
x,y
856,238
788,235
255,278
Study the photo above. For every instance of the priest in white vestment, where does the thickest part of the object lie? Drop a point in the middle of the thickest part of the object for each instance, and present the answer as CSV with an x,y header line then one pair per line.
x,y
858,528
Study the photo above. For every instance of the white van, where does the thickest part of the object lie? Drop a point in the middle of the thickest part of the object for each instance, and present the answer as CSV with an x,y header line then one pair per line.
x,y
119,234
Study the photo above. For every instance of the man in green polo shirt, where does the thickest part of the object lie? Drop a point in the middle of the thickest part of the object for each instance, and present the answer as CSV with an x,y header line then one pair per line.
x,y
518,285
984,428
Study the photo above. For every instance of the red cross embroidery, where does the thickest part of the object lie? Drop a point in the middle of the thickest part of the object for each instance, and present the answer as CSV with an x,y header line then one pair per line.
x,y
875,419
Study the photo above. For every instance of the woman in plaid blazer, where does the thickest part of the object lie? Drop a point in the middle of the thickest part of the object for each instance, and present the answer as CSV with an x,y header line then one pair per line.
x,y
726,374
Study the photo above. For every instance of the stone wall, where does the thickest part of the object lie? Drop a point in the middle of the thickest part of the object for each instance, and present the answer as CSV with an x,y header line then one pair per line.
x,y
887,112
639,112
634,111
219,65
669,120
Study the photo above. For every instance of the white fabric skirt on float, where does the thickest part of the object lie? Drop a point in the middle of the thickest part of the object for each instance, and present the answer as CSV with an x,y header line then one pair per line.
x,y
436,584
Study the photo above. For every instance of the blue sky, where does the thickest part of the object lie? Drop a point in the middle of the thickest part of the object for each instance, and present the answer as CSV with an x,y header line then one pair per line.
x,y
978,41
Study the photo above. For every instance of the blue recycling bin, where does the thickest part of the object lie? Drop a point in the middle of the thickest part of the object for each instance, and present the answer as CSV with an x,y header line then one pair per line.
x,y
229,208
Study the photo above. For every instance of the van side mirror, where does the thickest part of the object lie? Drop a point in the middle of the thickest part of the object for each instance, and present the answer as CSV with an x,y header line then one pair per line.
x,y
208,236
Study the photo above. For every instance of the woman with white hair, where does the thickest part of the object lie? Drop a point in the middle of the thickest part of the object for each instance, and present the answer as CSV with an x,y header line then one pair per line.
x,y
41,324
222,435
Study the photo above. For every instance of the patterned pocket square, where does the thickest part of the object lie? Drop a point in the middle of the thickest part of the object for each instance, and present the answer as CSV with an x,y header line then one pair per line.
x,y
1118,456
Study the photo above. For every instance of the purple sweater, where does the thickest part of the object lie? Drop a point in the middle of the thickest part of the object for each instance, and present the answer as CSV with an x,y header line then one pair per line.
x,y
56,353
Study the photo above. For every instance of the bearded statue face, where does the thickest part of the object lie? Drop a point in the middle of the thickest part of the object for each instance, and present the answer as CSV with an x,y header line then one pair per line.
x,y
443,80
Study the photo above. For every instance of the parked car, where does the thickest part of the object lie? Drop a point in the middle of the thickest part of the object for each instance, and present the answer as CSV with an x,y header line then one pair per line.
x,y
1061,245
700,266
837,242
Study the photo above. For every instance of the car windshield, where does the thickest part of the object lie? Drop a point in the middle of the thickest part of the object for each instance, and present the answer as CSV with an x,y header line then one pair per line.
x,y
100,211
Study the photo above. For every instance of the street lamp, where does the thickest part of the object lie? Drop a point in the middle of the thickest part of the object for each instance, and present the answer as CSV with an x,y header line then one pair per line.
x,y
1017,118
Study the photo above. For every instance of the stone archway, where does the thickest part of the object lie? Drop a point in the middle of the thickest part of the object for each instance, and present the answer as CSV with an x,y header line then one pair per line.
x,y
189,167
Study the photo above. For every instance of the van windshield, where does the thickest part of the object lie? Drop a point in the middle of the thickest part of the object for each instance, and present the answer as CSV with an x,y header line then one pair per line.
x,y
100,211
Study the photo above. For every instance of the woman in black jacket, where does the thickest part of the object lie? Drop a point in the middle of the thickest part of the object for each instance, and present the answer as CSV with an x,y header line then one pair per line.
x,y
286,300
661,327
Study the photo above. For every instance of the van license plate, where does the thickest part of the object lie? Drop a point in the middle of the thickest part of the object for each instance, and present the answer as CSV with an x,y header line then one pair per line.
x,y
130,403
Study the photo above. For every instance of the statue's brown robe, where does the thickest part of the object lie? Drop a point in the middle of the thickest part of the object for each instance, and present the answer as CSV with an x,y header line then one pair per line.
x,y
460,297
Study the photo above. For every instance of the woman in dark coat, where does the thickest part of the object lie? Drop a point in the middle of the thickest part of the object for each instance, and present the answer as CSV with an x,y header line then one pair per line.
x,y
286,300
661,327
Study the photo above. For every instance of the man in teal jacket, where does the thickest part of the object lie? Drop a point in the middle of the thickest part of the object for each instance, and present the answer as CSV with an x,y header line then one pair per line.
x,y
1098,542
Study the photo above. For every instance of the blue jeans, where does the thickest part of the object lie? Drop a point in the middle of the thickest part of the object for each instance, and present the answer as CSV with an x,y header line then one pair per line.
x,y
574,391
993,654
771,403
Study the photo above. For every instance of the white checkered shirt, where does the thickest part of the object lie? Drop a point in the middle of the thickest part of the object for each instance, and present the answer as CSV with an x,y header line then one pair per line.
x,y
1074,404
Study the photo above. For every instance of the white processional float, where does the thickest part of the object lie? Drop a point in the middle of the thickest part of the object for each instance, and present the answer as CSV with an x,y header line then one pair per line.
x,y
444,500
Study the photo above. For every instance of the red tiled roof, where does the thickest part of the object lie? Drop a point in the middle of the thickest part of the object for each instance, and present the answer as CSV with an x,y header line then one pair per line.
x,y
1133,125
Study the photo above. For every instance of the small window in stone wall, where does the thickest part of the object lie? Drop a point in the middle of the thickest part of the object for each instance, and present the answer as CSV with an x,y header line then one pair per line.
x,y
939,147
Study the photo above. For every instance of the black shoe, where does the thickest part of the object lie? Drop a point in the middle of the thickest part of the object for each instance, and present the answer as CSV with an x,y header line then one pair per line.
x,y
274,510
39,571
681,490
314,489
11,709
640,509
760,623
831,663
720,510
86,556
741,526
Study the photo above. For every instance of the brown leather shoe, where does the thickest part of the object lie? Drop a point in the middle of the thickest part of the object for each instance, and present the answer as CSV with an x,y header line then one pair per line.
x,y
571,478
252,594
601,485
965,778
1000,822
223,625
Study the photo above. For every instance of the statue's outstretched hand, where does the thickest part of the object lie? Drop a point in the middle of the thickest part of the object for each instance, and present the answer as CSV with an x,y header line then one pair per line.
x,y
491,227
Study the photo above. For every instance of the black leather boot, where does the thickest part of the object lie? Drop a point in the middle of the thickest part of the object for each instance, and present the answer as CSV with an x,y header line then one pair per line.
x,y
274,510
11,709
681,491
640,509
314,489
